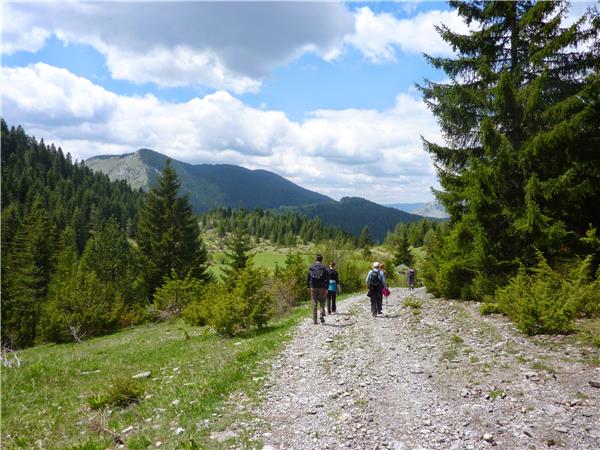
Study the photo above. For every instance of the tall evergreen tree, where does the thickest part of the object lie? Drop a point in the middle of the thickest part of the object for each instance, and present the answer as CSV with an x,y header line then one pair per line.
x,y
402,254
109,254
168,234
364,240
30,263
521,117
238,254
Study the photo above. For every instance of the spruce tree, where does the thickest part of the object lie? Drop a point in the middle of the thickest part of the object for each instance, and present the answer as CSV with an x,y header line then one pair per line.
x,y
168,234
364,240
238,254
402,253
30,263
520,114
109,254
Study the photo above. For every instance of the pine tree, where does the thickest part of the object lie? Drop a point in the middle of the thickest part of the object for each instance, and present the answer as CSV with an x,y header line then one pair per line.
x,y
521,118
402,253
238,256
30,264
168,234
109,254
364,240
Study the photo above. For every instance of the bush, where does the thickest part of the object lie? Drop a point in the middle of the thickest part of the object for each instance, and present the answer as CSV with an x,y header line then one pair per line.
x,y
534,302
292,277
249,305
176,293
488,308
196,312
121,392
81,307
351,278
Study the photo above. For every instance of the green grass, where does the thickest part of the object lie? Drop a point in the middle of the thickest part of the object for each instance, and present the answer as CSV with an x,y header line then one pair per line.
x,y
46,402
497,393
413,303
266,257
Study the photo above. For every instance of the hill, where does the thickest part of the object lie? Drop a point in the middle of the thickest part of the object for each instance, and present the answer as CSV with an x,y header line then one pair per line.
x,y
351,214
428,209
209,185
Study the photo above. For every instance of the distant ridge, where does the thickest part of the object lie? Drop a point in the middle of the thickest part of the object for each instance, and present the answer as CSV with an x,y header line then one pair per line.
x,y
352,214
428,209
224,185
209,185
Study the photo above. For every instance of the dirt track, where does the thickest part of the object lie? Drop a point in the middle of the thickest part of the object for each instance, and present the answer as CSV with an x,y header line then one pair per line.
x,y
441,378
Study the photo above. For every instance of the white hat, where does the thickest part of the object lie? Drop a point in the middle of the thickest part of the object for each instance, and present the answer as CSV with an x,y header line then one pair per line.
x,y
375,265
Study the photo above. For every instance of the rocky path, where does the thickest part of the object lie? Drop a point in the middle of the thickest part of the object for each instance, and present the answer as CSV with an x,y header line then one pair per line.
x,y
438,376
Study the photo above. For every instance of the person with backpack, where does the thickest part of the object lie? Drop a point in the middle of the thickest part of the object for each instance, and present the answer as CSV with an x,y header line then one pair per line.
x,y
317,280
411,278
375,283
332,287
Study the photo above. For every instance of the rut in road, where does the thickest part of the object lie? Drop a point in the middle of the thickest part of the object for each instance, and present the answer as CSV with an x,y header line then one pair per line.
x,y
437,376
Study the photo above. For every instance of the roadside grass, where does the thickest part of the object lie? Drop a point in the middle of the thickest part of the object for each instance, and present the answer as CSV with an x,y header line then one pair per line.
x,y
46,402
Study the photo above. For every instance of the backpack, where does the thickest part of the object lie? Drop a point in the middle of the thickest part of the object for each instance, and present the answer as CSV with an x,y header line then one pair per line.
x,y
332,286
374,282
316,274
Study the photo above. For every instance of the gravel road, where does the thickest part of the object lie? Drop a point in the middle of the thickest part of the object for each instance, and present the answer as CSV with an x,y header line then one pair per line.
x,y
438,376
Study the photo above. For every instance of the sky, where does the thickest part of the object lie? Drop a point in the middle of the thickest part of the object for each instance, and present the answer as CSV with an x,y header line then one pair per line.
x,y
322,93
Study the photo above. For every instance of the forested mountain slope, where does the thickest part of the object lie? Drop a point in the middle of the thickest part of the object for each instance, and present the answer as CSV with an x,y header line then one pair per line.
x,y
209,185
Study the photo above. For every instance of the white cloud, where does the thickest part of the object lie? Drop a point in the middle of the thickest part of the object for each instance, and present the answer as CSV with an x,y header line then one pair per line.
x,y
369,153
223,45
378,36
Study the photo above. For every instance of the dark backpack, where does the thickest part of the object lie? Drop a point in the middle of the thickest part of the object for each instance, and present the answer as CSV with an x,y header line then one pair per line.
x,y
316,273
374,281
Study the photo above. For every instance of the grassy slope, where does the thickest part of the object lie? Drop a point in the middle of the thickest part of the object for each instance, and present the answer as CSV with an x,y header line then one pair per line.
x,y
45,401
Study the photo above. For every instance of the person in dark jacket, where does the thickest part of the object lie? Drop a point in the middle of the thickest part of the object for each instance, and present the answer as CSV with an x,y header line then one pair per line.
x,y
316,281
332,288
375,282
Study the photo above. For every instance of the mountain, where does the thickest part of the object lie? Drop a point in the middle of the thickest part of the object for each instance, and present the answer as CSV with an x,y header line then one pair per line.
x,y
352,214
209,185
430,209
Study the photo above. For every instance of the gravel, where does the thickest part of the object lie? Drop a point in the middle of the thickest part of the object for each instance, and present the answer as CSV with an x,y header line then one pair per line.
x,y
406,381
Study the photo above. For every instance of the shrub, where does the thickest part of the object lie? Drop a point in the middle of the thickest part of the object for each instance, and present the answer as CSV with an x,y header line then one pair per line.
x,y
81,307
176,293
488,308
411,302
351,278
121,392
539,302
248,305
284,295
293,277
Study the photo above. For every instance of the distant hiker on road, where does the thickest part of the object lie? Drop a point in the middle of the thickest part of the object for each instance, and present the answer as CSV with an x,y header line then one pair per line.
x,y
332,287
375,282
411,278
316,280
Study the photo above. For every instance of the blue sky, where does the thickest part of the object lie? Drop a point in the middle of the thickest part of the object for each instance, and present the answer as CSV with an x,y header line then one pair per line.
x,y
321,93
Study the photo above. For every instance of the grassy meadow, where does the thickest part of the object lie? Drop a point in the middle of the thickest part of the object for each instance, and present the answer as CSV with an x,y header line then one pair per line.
x,y
46,402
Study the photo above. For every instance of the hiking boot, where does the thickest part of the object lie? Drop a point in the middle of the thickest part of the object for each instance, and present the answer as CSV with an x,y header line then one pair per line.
x,y
322,319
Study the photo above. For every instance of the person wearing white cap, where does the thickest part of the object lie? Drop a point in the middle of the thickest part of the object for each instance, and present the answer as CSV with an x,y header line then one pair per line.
x,y
375,282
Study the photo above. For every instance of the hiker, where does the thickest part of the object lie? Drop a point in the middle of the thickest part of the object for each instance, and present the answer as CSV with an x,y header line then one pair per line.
x,y
411,278
316,280
375,282
332,287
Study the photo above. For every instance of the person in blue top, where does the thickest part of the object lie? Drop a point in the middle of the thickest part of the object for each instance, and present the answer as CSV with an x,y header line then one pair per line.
x,y
375,282
332,288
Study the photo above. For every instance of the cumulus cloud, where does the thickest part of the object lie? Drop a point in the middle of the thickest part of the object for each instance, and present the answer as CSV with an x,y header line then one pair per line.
x,y
375,154
378,36
223,45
